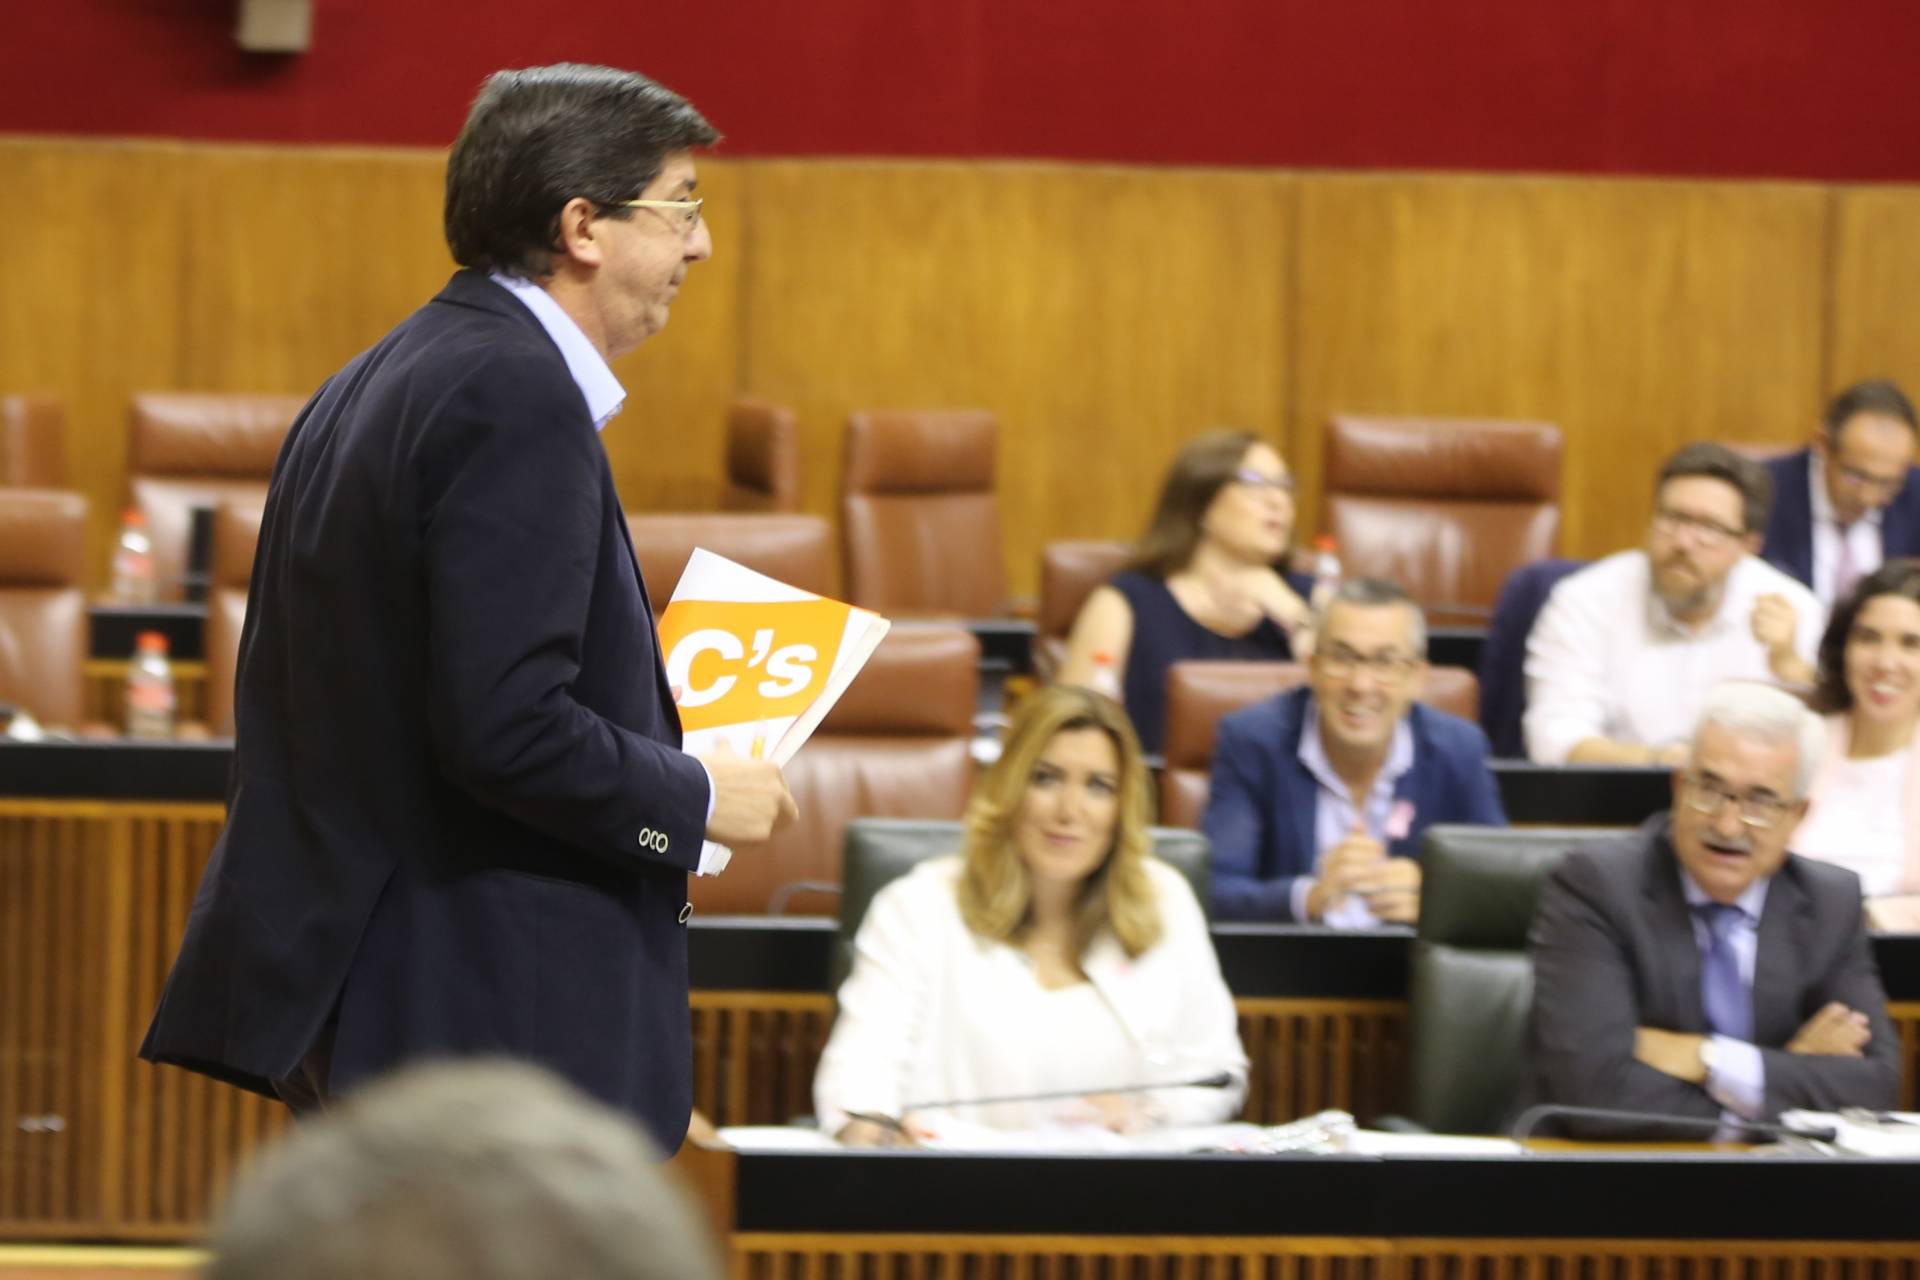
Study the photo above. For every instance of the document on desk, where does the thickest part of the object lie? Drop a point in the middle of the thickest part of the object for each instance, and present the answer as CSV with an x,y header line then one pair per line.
x,y
1894,1134
756,664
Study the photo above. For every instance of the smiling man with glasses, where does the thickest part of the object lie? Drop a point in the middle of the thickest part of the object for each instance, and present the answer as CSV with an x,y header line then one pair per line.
x,y
1624,650
1321,795
1850,501
461,822
1696,967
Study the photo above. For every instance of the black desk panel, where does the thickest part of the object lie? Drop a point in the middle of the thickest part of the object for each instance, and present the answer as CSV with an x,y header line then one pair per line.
x,y
114,627
1560,1196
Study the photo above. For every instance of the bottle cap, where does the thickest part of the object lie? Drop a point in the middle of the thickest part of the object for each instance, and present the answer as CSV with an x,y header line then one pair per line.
x,y
1102,657
151,642
1325,542
133,516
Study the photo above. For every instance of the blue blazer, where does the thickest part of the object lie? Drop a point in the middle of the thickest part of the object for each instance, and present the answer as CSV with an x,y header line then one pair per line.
x,y
1789,544
458,820
1260,817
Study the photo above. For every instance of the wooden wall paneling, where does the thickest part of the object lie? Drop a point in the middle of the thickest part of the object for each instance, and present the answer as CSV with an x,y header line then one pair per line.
x,y
298,259
1104,315
667,445
1876,278
1638,315
91,308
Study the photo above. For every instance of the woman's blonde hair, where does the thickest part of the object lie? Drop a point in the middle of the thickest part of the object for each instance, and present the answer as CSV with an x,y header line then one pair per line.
x,y
996,889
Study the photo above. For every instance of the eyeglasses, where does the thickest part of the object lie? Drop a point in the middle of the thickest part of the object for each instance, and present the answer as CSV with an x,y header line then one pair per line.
x,y
683,215
1709,532
1758,811
1866,480
1340,662
1261,481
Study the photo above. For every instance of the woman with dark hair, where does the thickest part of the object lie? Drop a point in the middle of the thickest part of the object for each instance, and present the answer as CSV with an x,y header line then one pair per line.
x,y
1202,582
1055,954
1865,813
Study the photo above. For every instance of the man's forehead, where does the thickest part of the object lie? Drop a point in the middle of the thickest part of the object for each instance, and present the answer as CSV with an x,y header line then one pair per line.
x,y
677,172
1365,626
1745,761
1874,436
1702,495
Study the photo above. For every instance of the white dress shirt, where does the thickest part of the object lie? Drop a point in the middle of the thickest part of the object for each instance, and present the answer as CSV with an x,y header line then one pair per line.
x,y
1606,660
934,1012
604,396
1863,537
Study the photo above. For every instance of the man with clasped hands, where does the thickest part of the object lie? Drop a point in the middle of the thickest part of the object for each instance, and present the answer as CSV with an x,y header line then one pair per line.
x,y
459,819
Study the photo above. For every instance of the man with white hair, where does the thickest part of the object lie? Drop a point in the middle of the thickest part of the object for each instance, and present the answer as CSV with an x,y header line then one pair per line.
x,y
1697,968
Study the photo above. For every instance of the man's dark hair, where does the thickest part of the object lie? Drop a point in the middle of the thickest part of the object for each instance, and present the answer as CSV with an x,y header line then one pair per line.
x,y
1717,462
538,137
1879,396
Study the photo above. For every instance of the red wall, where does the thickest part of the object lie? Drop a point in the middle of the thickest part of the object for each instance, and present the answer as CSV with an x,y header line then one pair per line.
x,y
1791,88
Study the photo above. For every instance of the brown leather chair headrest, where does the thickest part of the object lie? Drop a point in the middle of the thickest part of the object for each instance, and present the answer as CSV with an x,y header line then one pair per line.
x,y
33,440
43,538
186,433
920,451
796,549
236,532
1069,571
1486,459
1199,693
923,680
763,450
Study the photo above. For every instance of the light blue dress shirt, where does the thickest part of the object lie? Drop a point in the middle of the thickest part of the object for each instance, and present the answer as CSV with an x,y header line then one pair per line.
x,y
1738,1079
1335,812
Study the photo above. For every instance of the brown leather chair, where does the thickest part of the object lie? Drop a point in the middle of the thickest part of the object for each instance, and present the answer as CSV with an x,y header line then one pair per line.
x,y
919,514
1200,693
236,532
43,607
763,457
796,549
896,745
193,449
1446,507
1069,571
33,441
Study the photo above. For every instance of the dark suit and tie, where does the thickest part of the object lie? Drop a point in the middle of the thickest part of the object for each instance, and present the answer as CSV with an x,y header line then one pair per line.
x,y
1789,539
1616,946
459,821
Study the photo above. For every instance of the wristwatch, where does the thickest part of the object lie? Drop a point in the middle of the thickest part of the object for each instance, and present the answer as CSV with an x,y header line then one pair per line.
x,y
1709,1056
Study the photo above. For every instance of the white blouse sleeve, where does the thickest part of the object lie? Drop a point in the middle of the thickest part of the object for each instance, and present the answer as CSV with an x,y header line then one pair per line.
x,y
882,1008
1204,1027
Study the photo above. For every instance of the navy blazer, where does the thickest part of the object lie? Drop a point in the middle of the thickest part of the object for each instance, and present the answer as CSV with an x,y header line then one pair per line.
x,y
458,820
1613,948
1789,543
1260,815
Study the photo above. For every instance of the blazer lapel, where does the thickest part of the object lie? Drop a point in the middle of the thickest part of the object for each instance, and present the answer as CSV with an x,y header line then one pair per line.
x,y
1781,944
1675,950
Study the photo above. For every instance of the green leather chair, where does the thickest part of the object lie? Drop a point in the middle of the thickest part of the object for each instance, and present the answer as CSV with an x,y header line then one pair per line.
x,y
877,850
1472,982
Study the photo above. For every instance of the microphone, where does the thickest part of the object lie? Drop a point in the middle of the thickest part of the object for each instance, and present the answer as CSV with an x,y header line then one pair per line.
x,y
1216,1080
1530,1119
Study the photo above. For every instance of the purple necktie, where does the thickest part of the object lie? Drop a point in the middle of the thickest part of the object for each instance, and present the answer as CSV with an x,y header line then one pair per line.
x,y
1723,991
1845,572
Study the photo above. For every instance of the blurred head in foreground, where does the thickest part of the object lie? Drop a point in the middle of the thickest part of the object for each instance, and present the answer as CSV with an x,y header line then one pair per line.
x,y
475,1171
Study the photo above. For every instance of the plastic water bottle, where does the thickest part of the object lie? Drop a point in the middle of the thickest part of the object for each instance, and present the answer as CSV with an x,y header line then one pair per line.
x,y
1326,572
133,577
150,701
1105,676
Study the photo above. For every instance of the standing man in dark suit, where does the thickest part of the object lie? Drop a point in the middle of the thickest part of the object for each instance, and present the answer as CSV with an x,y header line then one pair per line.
x,y
1321,796
1696,968
1851,500
459,820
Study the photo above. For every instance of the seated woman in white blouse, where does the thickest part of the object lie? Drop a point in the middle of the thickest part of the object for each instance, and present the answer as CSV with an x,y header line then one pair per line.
x,y
1865,813
1053,954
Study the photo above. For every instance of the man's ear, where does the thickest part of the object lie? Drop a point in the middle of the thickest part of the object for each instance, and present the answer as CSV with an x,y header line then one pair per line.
x,y
579,239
